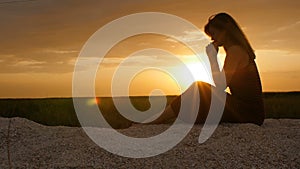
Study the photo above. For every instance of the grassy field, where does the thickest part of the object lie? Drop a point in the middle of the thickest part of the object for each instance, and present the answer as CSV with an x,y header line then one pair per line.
x,y
60,111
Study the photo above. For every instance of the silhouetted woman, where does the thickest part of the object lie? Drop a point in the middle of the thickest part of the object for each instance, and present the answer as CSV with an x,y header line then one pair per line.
x,y
244,104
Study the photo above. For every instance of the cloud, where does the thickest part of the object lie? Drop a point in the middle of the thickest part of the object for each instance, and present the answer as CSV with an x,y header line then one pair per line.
x,y
36,64
277,60
61,51
280,36
189,36
147,58
136,60
287,27
31,63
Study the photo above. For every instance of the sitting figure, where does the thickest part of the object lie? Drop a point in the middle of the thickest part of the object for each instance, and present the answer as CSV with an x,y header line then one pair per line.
x,y
245,103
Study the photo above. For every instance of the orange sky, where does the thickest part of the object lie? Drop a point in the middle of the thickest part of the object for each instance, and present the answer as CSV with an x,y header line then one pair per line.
x,y
40,42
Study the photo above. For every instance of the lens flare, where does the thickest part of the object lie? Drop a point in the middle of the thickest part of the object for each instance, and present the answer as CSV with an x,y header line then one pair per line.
x,y
93,101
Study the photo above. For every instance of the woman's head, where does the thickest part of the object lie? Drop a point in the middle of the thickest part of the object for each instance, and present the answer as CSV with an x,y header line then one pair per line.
x,y
222,28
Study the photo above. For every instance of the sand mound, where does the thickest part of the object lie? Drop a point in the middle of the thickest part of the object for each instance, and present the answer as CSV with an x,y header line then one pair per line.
x,y
273,145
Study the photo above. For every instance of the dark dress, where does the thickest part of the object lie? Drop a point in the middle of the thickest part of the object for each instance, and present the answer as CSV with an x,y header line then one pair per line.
x,y
243,105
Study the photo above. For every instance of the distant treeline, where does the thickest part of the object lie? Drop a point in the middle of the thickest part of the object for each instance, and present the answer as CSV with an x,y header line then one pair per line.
x,y
60,111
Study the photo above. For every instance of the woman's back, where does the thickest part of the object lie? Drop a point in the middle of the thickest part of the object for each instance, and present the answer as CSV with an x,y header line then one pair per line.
x,y
245,83
246,92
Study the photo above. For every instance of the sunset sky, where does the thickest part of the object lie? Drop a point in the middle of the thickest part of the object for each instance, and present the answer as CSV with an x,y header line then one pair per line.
x,y
40,42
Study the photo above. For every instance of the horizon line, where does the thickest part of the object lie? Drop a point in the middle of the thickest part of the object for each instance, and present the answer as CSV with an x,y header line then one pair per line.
x,y
109,96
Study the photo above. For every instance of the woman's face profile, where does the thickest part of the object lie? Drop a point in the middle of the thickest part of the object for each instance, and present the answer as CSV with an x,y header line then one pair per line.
x,y
217,36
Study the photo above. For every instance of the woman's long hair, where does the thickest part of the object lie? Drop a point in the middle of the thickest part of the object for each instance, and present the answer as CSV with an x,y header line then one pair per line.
x,y
223,21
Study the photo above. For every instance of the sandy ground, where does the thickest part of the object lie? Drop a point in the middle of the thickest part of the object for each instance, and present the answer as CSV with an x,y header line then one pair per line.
x,y
276,144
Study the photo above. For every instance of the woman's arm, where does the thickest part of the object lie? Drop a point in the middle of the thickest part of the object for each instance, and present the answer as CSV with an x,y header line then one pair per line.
x,y
218,76
236,58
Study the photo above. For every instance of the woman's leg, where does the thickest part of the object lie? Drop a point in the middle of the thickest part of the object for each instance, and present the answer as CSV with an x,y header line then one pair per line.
x,y
237,111
205,90
172,110
189,96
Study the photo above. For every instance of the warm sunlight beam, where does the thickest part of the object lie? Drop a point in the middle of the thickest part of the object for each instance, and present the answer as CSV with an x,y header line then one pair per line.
x,y
194,68
197,69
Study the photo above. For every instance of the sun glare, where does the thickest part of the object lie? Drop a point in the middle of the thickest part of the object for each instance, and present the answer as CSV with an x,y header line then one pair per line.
x,y
198,71
194,68
93,101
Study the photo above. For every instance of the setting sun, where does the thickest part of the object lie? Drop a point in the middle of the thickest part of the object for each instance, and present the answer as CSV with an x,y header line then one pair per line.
x,y
196,69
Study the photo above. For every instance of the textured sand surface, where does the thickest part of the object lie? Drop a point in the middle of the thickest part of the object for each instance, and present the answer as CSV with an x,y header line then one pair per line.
x,y
276,144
